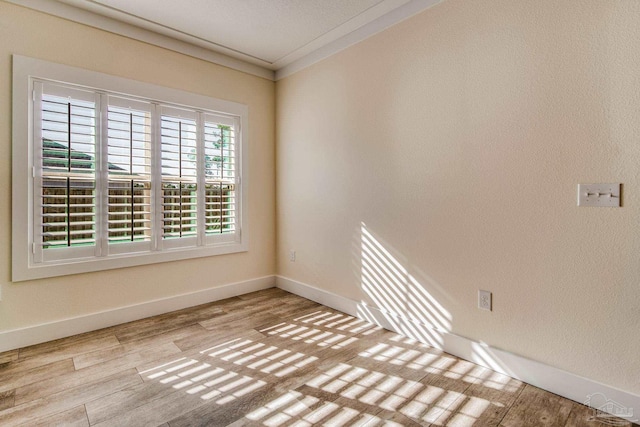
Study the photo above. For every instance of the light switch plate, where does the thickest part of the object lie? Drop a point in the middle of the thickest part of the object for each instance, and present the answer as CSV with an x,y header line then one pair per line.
x,y
601,195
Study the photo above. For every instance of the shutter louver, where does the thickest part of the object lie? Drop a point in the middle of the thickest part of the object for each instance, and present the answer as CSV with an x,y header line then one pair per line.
x,y
67,186
178,136
129,174
220,175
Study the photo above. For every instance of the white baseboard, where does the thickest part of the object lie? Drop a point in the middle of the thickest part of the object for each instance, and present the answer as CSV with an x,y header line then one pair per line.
x,y
320,296
544,376
23,337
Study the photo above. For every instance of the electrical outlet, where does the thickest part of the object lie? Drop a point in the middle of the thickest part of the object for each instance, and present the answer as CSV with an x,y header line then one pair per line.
x,y
292,256
484,300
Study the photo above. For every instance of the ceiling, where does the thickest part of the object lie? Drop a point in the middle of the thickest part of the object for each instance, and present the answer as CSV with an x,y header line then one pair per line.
x,y
274,35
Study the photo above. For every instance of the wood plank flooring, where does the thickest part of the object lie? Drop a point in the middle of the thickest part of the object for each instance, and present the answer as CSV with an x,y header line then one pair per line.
x,y
267,358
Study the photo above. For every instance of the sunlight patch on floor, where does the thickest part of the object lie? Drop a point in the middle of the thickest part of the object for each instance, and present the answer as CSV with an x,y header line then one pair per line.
x,y
321,338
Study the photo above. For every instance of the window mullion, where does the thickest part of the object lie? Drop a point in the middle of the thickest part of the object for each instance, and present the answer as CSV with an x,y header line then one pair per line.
x,y
102,176
156,177
201,182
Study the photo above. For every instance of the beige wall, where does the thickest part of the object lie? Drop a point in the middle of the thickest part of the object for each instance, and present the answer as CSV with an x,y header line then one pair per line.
x,y
436,158
442,156
29,33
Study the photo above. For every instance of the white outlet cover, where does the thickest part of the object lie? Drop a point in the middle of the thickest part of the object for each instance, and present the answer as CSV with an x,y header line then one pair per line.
x,y
599,195
484,300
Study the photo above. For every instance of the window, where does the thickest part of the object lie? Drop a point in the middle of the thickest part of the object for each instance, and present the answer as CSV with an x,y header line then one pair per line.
x,y
110,172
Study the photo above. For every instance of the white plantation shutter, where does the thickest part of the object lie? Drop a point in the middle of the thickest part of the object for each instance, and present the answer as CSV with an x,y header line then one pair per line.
x,y
221,179
129,175
65,173
179,170
119,179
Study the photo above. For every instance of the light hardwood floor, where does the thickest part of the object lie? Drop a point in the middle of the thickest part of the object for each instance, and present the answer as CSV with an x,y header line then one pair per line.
x,y
267,358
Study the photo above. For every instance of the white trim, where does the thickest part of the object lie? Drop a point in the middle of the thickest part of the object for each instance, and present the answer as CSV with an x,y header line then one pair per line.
x,y
111,25
379,10
374,27
36,334
544,376
320,296
293,62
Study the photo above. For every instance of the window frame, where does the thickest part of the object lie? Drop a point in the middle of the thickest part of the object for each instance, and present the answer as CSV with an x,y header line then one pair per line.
x,y
28,70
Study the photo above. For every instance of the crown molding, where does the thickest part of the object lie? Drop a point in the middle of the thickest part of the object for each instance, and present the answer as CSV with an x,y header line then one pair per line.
x,y
290,64
111,25
374,27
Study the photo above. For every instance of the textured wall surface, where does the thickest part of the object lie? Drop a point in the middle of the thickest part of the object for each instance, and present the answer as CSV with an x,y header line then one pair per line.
x,y
29,33
442,156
